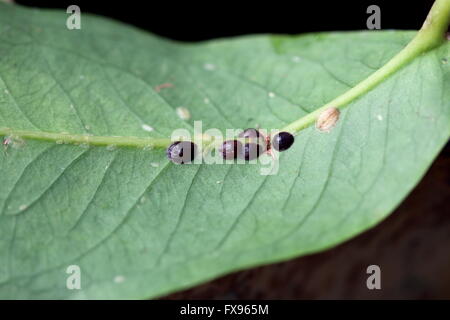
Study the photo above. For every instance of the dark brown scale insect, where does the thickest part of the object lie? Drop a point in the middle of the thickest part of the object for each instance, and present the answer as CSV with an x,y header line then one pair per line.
x,y
254,135
282,141
182,152
250,133
251,151
230,149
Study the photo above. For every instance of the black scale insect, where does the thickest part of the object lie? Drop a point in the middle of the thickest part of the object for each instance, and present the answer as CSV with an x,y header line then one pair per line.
x,y
182,152
282,141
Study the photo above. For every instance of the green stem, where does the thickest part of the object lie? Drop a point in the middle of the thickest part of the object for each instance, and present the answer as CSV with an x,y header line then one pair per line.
x,y
429,36
83,139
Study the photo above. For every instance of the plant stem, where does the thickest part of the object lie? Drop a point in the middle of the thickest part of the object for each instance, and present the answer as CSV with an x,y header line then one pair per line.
x,y
429,36
66,138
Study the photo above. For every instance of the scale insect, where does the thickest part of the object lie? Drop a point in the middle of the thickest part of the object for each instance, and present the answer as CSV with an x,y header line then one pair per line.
x,y
256,145
230,149
282,141
182,152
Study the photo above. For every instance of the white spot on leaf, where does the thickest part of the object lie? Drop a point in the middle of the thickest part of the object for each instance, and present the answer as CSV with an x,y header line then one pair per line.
x,y
147,128
209,66
183,113
119,279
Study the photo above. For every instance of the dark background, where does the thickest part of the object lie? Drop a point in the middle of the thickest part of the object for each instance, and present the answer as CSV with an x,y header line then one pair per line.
x,y
198,20
411,246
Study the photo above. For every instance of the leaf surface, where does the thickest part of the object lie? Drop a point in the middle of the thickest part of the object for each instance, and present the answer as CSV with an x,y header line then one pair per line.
x,y
139,226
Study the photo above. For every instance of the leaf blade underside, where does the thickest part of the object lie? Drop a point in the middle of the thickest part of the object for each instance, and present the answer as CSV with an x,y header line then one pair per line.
x,y
166,227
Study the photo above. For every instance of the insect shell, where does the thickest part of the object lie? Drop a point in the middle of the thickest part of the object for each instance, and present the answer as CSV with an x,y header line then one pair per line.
x,y
255,144
251,151
230,149
282,141
182,152
327,119
250,133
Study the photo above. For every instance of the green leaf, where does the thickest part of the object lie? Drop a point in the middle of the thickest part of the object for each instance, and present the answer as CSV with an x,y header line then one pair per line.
x,y
139,226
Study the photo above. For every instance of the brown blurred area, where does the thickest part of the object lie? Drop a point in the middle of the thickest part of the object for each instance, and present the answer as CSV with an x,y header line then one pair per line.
x,y
412,248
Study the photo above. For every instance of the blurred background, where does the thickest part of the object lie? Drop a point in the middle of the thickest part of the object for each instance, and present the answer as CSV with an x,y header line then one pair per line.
x,y
412,246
